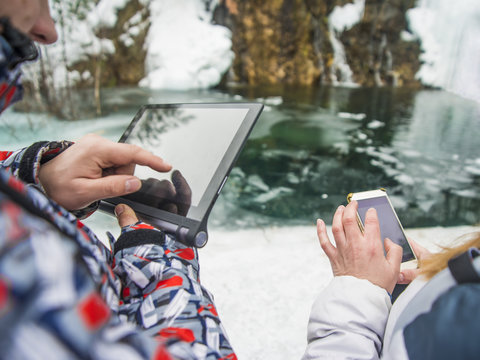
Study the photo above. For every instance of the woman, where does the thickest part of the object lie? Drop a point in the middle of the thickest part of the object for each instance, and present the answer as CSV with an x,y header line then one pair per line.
x,y
353,318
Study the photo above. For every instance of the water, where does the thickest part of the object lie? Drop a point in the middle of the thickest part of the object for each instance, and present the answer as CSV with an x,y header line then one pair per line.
x,y
310,148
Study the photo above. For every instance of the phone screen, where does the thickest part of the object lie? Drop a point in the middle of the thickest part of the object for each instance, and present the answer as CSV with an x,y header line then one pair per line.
x,y
389,225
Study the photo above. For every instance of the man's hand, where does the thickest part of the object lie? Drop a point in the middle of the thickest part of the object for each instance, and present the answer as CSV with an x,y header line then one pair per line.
x,y
95,168
360,254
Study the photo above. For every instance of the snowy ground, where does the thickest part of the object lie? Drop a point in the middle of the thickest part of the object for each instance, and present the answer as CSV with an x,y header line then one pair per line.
x,y
265,281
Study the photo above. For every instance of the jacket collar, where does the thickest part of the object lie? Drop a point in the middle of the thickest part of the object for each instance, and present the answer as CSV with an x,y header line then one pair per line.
x,y
15,48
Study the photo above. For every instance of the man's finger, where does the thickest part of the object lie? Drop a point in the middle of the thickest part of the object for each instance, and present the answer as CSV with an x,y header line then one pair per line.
x,y
394,253
337,228
372,227
325,243
350,223
125,215
123,154
111,186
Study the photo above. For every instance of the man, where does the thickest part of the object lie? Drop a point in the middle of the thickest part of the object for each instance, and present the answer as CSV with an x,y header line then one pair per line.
x,y
62,293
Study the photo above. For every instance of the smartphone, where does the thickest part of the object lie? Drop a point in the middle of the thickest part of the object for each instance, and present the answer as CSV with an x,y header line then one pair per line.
x,y
390,225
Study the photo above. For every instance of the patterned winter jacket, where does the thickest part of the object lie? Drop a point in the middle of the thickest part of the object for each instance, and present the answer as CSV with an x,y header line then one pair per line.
x,y
64,295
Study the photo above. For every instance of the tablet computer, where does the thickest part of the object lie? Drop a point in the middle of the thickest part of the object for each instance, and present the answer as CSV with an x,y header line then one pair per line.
x,y
202,143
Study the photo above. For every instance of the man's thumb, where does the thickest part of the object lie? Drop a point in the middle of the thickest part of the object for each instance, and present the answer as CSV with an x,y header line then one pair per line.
x,y
125,215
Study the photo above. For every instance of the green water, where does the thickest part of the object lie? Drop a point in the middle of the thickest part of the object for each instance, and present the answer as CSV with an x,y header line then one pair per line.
x,y
307,153
310,148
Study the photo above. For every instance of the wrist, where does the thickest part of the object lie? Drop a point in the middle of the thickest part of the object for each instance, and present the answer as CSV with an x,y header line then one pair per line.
x,y
35,156
138,234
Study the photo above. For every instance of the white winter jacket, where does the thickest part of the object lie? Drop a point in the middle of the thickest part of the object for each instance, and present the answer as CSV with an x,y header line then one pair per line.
x,y
439,319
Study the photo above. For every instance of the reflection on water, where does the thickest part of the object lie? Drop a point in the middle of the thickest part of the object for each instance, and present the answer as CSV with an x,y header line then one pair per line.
x,y
307,153
310,148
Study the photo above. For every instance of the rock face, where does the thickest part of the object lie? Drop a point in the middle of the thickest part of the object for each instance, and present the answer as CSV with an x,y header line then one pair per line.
x,y
288,42
272,41
276,42
375,50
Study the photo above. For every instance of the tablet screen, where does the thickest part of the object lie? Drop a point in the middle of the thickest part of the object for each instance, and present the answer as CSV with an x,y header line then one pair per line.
x,y
193,140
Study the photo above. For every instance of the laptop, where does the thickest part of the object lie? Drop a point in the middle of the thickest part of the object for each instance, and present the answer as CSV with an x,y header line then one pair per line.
x,y
201,142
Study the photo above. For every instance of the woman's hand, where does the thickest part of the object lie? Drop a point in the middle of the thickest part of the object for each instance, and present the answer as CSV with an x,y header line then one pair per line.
x,y
95,168
406,276
360,254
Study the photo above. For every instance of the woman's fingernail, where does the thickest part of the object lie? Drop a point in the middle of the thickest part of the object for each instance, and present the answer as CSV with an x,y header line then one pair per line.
x,y
132,185
401,277
119,209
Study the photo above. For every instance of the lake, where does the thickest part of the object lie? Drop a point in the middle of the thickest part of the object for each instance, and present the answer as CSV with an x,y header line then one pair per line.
x,y
311,147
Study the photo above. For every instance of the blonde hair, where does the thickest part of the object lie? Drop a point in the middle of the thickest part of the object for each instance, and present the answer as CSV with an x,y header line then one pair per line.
x,y
439,261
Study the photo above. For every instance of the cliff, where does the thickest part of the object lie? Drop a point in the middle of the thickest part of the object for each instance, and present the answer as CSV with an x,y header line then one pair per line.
x,y
286,42
289,42
279,42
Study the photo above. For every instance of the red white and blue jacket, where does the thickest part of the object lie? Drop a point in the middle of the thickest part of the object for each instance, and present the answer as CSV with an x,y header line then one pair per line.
x,y
63,294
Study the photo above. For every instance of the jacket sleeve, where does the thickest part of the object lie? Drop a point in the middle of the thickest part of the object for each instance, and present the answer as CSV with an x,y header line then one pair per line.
x,y
51,305
348,320
161,293
59,297
25,163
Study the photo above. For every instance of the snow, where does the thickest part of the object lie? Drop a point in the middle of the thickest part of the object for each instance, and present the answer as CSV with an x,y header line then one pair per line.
x,y
340,19
265,280
343,18
105,14
184,50
450,43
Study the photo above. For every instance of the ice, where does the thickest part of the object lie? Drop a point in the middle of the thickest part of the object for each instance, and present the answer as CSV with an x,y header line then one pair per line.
x,y
346,115
256,182
405,179
473,170
272,100
375,124
293,178
382,155
467,193
272,194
